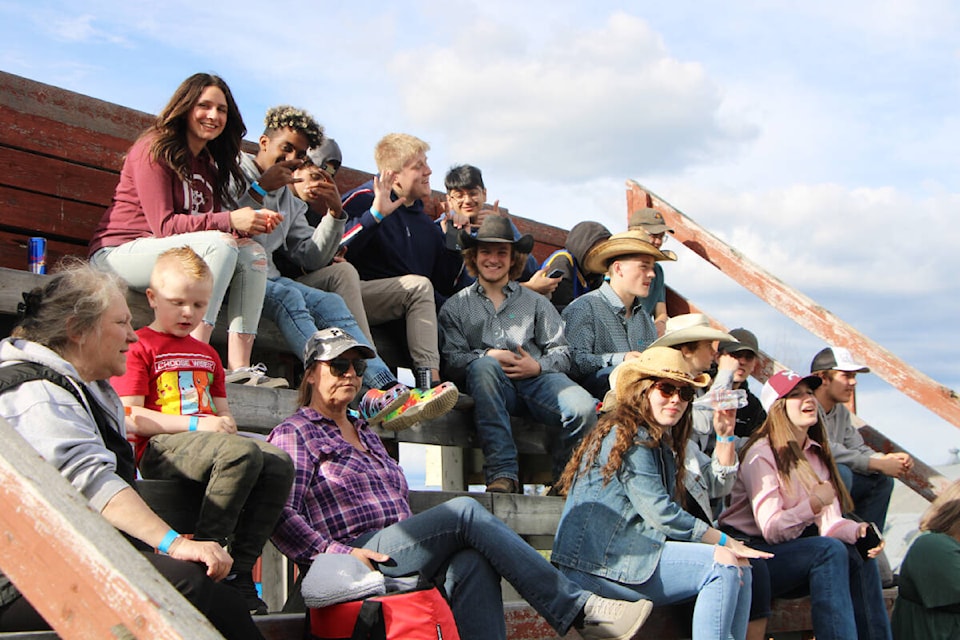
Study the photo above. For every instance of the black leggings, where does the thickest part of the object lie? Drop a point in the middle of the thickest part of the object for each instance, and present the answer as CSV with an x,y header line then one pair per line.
x,y
223,606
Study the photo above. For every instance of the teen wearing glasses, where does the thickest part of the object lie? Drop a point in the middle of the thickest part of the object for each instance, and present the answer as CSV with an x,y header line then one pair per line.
x,y
628,529
350,496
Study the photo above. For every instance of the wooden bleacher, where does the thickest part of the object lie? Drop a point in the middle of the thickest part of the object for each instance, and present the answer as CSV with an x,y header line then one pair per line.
x,y
61,155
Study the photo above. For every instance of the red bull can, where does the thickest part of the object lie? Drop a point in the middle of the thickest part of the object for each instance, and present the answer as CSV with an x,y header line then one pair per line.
x,y
37,260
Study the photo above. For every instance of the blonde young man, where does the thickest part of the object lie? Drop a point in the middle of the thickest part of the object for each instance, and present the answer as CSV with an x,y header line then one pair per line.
x,y
174,386
398,249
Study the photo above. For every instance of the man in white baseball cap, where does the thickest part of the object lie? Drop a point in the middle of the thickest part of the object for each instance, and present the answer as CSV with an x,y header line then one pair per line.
x,y
867,474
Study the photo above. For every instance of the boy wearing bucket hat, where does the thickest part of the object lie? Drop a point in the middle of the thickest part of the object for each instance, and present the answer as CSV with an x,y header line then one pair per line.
x,y
866,473
608,326
507,343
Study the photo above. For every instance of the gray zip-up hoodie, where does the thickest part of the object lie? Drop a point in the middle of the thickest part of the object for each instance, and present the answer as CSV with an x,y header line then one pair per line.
x,y
310,248
60,428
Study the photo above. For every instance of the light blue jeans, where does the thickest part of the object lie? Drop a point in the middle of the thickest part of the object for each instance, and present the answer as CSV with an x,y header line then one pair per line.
x,y
550,398
470,549
687,571
239,264
299,311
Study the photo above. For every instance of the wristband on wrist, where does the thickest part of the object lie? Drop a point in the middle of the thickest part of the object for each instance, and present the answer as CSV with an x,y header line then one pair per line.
x,y
164,546
376,215
258,189
726,438
723,539
194,423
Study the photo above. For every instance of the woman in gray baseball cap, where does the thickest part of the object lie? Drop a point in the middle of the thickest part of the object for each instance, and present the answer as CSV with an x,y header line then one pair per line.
x,y
350,497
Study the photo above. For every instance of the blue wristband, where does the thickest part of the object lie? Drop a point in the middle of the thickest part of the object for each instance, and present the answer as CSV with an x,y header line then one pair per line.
x,y
258,189
376,215
723,539
726,438
164,546
194,423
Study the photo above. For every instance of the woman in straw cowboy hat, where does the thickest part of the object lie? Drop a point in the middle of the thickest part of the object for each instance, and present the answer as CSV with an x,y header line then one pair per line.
x,y
626,528
789,500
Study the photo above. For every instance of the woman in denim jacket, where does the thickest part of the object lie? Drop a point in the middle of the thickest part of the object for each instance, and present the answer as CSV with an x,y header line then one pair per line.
x,y
625,528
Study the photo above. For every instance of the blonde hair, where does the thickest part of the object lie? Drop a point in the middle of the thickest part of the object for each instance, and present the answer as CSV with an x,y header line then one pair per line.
x,y
943,515
396,149
183,258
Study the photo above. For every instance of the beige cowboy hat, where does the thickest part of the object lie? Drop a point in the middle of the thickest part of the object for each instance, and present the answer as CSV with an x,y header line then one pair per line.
x,y
622,244
690,327
655,362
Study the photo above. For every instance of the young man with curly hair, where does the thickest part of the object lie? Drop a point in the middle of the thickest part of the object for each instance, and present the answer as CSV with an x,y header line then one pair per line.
x,y
298,310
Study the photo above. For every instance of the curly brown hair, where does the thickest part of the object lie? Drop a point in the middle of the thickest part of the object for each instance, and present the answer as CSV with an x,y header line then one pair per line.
x,y
517,262
632,414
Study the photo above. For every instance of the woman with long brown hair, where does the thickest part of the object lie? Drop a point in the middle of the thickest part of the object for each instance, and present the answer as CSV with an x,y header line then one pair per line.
x,y
789,500
626,531
174,190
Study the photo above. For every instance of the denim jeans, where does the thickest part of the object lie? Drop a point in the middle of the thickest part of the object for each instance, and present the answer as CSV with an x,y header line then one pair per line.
x,y
550,398
870,492
237,263
470,549
299,311
687,571
846,599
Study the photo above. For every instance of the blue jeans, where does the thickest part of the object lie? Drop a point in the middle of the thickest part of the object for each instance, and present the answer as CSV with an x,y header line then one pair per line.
x,y
687,571
550,398
299,311
846,599
870,492
470,549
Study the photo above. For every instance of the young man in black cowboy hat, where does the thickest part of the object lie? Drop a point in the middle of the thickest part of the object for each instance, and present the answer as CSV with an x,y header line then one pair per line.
x,y
507,344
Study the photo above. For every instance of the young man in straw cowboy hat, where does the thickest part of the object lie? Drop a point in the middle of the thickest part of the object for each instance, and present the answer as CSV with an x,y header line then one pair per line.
x,y
507,344
608,326
692,335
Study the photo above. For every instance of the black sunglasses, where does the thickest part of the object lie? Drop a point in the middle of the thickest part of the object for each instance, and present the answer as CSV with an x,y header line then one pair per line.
x,y
667,390
340,366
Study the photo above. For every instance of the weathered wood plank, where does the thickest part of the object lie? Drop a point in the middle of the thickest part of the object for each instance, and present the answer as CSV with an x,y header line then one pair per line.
x,y
93,583
65,180
47,214
928,392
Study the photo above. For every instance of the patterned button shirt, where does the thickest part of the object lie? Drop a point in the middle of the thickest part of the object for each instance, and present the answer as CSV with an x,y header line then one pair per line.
x,y
469,325
600,333
339,493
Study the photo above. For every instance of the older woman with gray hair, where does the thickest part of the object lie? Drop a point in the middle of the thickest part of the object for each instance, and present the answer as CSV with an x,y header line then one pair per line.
x,y
73,334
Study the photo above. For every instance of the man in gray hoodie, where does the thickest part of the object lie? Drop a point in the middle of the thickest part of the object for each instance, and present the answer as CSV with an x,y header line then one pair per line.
x,y
298,310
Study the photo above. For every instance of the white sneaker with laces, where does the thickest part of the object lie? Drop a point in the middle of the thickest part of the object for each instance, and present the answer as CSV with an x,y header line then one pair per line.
x,y
255,376
613,619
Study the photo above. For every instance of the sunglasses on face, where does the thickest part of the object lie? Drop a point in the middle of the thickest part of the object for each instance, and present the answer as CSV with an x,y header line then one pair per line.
x,y
340,366
668,390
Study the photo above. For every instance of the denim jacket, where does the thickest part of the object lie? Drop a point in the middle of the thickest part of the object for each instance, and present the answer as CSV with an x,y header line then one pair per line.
x,y
617,531
706,477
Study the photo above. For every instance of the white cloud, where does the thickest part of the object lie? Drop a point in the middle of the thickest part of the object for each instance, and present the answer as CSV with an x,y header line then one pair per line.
x,y
587,103
81,29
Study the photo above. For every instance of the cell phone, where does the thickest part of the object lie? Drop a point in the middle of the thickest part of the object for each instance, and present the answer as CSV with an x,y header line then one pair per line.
x,y
329,169
871,540
556,273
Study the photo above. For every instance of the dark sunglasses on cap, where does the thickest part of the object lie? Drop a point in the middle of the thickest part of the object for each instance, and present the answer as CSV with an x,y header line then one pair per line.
x,y
340,366
668,390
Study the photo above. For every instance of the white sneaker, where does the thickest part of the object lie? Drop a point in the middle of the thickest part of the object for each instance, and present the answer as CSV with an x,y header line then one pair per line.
x,y
613,619
255,376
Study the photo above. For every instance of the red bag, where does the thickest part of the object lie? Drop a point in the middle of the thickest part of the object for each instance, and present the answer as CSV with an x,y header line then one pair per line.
x,y
411,615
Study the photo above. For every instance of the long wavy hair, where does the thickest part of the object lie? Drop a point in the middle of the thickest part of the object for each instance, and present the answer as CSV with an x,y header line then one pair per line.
x,y
631,414
792,465
169,135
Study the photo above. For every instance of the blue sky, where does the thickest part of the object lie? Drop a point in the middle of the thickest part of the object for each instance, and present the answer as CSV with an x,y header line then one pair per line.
x,y
819,138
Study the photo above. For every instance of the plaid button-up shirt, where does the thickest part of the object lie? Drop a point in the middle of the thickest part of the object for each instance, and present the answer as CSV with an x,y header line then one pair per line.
x,y
339,493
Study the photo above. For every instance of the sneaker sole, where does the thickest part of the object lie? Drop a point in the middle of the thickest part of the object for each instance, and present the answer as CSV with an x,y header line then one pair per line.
x,y
432,408
272,383
393,406
630,633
